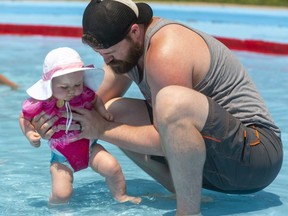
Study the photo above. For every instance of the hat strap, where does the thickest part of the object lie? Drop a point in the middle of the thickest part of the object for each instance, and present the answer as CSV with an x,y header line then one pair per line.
x,y
48,75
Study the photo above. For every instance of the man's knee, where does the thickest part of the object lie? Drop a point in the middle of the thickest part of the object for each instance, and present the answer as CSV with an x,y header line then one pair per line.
x,y
174,103
168,104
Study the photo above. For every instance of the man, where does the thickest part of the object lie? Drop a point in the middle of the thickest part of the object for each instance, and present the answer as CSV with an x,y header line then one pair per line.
x,y
202,123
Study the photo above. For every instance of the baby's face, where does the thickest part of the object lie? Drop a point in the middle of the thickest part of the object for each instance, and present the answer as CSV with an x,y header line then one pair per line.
x,y
67,86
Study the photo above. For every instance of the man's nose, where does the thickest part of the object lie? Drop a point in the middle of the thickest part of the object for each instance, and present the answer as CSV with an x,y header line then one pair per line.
x,y
107,58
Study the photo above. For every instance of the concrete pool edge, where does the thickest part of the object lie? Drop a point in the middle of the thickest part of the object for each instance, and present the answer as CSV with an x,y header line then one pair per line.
x,y
258,46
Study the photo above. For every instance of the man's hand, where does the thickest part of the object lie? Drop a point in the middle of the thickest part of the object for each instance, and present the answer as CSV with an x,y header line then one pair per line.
x,y
92,124
43,124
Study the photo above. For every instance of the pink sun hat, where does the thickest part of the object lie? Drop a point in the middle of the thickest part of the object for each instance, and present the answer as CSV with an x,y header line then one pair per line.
x,y
61,61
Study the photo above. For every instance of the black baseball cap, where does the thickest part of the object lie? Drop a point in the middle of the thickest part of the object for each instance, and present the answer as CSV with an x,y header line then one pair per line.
x,y
107,22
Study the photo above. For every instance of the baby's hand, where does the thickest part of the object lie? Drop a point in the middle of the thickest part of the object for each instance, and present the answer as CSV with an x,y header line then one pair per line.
x,y
34,138
102,110
108,116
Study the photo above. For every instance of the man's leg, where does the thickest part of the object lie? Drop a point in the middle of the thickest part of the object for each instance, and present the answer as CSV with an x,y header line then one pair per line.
x,y
180,113
123,110
157,170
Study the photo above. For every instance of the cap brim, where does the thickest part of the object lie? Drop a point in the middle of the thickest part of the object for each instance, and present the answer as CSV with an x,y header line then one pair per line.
x,y
42,90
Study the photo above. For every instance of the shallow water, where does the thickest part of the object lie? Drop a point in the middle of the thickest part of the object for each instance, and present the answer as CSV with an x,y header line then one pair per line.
x,y
24,170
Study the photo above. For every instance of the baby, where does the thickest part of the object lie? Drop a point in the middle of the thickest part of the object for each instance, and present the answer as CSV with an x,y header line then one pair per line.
x,y
67,83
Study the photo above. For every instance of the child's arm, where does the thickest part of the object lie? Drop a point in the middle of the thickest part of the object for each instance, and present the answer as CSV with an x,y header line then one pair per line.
x,y
102,110
29,131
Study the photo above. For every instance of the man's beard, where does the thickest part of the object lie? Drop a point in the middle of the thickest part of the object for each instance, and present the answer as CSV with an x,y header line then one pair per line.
x,y
124,66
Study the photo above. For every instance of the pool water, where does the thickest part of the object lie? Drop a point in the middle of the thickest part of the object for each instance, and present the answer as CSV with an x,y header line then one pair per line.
x,y
25,179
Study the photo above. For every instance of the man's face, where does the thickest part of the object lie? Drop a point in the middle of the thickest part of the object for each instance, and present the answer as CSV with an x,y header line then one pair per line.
x,y
134,52
123,56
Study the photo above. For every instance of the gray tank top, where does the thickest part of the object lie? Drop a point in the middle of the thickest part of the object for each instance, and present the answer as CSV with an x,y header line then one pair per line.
x,y
227,82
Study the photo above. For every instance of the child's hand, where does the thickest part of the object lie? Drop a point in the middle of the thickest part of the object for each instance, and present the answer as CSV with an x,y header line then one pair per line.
x,y
108,116
34,138
102,110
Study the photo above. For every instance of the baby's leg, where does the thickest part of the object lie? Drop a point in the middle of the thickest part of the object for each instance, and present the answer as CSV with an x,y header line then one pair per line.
x,y
106,165
62,183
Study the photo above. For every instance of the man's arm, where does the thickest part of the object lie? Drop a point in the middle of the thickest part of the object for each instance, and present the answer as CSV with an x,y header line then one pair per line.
x,y
137,138
131,129
113,85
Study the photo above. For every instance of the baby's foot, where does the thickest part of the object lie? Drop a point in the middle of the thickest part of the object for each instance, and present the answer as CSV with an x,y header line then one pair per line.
x,y
135,200
125,198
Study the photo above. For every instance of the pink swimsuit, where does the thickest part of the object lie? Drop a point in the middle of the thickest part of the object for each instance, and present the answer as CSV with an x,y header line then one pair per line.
x,y
77,153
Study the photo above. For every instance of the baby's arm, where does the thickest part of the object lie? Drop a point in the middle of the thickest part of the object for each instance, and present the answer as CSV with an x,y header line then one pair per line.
x,y
102,110
29,131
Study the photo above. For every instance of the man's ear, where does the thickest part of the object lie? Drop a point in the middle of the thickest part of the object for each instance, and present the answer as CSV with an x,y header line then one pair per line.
x,y
134,30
